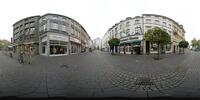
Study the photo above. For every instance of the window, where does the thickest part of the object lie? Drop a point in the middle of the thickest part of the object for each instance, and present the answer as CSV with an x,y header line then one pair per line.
x,y
170,25
115,29
127,24
26,31
170,31
165,29
20,32
154,47
63,28
21,26
138,30
72,26
148,27
168,47
137,21
157,21
32,30
127,31
120,26
121,34
54,25
164,23
148,20
26,24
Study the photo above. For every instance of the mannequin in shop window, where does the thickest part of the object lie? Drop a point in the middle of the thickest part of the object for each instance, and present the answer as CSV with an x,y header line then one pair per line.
x,y
54,50
61,51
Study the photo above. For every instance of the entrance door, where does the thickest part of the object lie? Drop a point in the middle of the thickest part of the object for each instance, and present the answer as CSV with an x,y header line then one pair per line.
x,y
174,49
137,50
147,47
43,49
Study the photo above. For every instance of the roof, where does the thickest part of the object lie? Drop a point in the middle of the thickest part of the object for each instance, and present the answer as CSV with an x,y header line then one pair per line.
x,y
68,18
181,26
25,18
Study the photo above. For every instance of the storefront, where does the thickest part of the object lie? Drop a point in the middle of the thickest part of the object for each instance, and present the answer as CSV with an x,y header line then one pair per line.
x,y
153,48
53,44
75,45
131,45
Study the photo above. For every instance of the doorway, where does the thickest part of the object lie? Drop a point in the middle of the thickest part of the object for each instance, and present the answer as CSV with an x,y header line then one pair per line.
x,y
137,50
147,47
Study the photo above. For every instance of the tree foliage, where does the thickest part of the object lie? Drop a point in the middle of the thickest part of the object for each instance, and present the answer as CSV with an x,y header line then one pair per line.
x,y
158,36
113,42
183,44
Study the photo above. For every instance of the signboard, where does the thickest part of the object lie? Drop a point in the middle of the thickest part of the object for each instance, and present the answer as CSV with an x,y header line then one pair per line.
x,y
131,39
75,40
44,39
58,37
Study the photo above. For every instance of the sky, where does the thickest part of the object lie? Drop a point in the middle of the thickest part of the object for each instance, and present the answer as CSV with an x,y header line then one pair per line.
x,y
97,16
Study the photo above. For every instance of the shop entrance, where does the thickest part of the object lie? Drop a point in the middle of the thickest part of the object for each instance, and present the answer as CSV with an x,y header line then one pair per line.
x,y
58,47
137,50
58,50
147,47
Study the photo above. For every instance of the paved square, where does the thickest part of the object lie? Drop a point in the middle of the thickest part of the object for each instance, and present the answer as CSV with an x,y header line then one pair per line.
x,y
99,74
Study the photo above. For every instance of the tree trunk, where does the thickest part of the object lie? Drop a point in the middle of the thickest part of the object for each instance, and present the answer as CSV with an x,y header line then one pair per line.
x,y
124,50
158,51
183,51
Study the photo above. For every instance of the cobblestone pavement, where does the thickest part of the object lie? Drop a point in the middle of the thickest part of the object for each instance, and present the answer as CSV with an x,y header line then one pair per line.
x,y
99,74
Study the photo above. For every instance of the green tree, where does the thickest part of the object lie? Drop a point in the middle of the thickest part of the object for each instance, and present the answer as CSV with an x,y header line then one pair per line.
x,y
4,43
183,44
158,36
114,42
194,43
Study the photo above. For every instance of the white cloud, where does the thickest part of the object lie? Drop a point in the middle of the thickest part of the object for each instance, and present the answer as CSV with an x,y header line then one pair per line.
x,y
97,16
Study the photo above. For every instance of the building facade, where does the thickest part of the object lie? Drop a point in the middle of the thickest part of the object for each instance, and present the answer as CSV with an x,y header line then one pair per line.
x,y
131,34
53,35
97,43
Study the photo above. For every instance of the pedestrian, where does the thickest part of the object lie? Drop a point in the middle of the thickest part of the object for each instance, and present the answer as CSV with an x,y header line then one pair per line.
x,y
20,56
54,50
30,53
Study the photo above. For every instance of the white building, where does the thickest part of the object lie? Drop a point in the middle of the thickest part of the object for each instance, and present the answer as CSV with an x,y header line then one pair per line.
x,y
97,43
131,31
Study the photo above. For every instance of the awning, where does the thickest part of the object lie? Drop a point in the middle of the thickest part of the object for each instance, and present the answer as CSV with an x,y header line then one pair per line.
x,y
134,42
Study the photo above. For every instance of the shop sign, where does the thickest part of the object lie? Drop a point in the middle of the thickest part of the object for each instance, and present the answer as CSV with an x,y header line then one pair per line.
x,y
129,39
74,40
58,37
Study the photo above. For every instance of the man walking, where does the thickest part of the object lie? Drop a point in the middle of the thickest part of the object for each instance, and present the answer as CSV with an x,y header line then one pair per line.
x,y
30,53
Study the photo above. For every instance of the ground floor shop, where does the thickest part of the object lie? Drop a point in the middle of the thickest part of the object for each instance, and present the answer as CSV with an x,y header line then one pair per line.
x,y
75,48
53,44
131,47
26,48
137,45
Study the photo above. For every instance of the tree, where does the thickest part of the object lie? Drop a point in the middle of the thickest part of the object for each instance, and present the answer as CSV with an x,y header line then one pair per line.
x,y
158,36
183,44
194,43
4,43
114,42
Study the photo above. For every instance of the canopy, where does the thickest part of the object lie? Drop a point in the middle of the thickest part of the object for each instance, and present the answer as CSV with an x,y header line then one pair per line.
x,y
134,42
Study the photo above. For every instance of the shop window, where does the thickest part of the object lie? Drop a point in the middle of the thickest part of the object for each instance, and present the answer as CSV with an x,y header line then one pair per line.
x,y
168,47
154,47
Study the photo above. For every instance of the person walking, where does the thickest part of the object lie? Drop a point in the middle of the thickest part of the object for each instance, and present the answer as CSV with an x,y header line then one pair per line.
x,y
30,54
21,56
